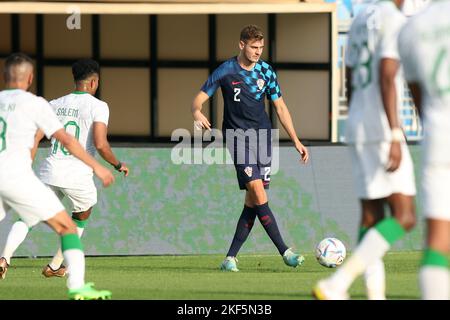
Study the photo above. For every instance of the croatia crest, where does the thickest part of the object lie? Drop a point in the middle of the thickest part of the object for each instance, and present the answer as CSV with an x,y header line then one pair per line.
x,y
248,171
260,83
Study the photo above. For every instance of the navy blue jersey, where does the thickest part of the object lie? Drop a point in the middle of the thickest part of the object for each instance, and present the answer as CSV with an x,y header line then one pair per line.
x,y
244,93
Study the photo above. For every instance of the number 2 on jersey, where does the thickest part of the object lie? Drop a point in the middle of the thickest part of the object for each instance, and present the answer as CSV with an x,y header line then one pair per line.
x,y
236,94
3,127
75,132
266,173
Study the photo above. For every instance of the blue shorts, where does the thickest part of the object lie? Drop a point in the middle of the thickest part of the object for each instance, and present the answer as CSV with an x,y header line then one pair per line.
x,y
247,173
252,158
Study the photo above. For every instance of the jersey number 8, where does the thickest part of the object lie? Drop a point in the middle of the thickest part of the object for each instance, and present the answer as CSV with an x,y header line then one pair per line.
x,y
363,69
3,127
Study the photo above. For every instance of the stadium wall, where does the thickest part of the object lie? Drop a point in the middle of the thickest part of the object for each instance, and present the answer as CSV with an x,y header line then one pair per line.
x,y
163,208
154,58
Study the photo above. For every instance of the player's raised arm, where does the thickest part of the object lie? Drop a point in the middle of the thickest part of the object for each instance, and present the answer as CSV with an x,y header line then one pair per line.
x,y
104,149
74,147
200,120
286,121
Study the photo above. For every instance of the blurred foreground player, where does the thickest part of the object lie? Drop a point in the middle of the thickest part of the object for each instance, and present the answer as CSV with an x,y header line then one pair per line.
x,y
21,115
382,166
424,44
86,118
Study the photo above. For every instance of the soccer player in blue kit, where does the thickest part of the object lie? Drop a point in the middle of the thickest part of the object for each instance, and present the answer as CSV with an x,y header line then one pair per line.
x,y
245,81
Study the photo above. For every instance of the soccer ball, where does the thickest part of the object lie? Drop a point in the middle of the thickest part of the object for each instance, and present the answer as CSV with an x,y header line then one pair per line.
x,y
330,252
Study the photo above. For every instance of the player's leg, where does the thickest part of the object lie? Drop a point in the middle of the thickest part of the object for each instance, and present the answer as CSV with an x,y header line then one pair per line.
x,y
264,155
74,255
265,216
82,201
374,276
243,228
71,247
402,207
55,268
239,151
35,202
16,236
374,245
401,202
398,188
434,277
3,263
335,287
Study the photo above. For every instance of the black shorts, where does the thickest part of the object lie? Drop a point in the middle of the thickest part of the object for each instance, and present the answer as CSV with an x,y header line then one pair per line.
x,y
252,157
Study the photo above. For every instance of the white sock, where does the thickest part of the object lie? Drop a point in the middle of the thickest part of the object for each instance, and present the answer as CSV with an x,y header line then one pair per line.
x,y
75,268
371,248
434,283
58,258
16,236
375,280
80,231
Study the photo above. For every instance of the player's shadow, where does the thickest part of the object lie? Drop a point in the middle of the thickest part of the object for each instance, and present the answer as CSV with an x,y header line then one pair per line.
x,y
131,268
250,295
389,297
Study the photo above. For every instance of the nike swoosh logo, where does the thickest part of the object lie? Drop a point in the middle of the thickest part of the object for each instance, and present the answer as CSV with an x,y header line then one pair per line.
x,y
235,82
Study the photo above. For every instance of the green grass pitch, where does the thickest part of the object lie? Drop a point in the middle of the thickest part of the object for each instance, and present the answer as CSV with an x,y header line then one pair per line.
x,y
199,278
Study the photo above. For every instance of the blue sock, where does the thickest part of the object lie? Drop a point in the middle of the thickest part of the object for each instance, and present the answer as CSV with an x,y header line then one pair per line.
x,y
269,223
243,228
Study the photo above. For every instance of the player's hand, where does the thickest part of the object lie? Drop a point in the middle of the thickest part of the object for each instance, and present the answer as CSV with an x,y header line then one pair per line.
x,y
104,174
395,157
200,121
124,169
303,152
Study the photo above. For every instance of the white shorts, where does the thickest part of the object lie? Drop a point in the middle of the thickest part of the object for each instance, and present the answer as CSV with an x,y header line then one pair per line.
x,y
81,199
30,198
436,191
371,179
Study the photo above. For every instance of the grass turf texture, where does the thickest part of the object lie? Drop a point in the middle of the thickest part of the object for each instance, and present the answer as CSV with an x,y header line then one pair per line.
x,y
199,278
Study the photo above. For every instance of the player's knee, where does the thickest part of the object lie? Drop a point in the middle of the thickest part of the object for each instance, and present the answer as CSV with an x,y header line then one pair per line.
x,y
81,215
69,228
407,219
257,191
369,220
65,227
436,243
260,199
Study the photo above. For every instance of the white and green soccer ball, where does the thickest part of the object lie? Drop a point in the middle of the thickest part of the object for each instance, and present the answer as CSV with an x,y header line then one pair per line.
x,y
330,252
